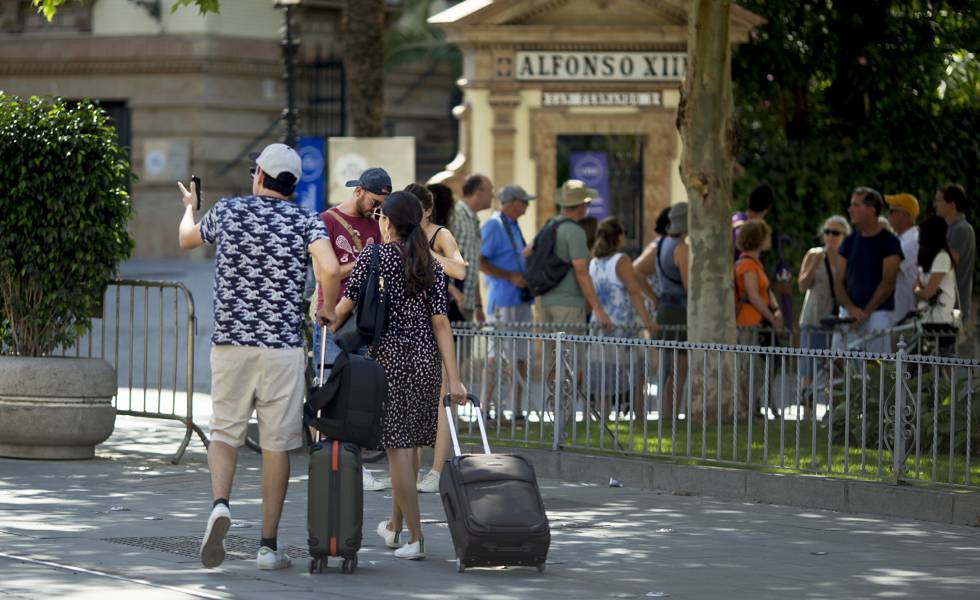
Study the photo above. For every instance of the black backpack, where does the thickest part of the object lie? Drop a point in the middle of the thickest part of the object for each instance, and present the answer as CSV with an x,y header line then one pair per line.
x,y
348,407
544,269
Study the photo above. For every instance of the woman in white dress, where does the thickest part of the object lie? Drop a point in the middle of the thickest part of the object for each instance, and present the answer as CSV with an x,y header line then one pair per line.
x,y
936,289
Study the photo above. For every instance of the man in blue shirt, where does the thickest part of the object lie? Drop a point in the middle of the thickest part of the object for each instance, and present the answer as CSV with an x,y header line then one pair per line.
x,y
502,263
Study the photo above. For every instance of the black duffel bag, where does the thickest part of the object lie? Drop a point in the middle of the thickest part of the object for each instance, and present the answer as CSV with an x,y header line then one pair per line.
x,y
348,407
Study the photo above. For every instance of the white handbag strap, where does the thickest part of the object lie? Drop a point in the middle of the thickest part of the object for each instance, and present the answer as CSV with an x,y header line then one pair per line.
x,y
323,350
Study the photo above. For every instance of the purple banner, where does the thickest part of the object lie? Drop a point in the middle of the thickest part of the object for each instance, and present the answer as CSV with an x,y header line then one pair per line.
x,y
593,169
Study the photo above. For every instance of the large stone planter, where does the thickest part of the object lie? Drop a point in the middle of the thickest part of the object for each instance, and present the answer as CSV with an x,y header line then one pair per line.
x,y
55,408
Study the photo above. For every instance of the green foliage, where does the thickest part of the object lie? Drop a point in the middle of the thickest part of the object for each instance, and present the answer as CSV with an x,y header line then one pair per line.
x,y
63,217
203,6
831,95
49,8
412,39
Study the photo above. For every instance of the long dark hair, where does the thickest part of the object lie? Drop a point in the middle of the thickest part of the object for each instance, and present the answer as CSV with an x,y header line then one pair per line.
x,y
932,239
442,206
422,193
607,237
404,211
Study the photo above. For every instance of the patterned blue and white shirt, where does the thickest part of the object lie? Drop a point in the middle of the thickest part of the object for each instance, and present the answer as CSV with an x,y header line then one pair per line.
x,y
260,269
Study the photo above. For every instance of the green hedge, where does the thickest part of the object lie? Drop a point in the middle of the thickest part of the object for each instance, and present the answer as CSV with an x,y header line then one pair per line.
x,y
63,215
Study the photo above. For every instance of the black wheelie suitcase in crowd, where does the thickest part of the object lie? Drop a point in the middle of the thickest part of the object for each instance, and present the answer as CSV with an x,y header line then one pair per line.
x,y
335,504
493,506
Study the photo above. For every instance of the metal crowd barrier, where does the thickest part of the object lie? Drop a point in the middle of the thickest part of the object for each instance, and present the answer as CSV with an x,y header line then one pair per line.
x,y
146,331
892,417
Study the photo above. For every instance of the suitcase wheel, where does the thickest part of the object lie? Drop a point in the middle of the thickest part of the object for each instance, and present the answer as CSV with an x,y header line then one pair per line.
x,y
459,565
349,565
317,564
541,568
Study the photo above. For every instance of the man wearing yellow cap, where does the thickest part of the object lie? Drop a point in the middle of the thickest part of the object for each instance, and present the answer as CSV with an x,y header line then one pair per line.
x,y
903,210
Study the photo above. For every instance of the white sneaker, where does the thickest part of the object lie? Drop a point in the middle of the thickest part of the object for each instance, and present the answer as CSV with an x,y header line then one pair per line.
x,y
390,537
371,483
213,546
272,560
413,551
430,483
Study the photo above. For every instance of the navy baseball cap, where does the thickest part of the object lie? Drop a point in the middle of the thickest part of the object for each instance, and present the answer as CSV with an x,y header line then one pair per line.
x,y
375,180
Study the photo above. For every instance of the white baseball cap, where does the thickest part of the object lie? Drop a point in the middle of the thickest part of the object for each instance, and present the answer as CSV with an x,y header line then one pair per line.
x,y
277,159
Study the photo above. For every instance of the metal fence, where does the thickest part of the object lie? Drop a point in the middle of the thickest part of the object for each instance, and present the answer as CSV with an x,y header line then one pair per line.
x,y
919,338
146,331
900,416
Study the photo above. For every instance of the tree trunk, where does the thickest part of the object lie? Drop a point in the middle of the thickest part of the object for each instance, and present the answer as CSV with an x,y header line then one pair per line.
x,y
707,124
706,121
364,25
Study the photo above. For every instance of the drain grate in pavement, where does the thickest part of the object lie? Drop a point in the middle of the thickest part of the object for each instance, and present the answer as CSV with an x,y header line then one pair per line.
x,y
237,547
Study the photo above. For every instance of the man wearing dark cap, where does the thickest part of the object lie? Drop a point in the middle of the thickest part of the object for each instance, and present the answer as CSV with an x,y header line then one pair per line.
x,y
264,242
352,228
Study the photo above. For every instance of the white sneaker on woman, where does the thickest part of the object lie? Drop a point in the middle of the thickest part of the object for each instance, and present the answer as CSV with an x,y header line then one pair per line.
x,y
370,483
412,551
430,483
390,537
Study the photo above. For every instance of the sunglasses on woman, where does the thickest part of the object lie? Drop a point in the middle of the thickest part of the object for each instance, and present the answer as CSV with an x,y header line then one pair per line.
x,y
832,232
377,214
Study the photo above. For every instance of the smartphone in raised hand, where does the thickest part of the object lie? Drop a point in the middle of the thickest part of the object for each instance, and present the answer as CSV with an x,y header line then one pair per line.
x,y
197,189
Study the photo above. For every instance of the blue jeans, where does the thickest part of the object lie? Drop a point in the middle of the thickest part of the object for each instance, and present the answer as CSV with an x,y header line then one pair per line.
x,y
812,337
331,352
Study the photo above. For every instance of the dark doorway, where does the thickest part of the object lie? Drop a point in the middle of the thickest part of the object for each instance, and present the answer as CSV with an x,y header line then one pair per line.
x,y
621,158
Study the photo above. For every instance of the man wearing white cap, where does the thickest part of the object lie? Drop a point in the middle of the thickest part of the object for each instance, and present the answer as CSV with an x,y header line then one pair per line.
x,y
264,242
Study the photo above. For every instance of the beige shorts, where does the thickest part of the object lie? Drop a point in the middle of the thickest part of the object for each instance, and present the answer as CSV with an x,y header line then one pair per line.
x,y
574,356
270,381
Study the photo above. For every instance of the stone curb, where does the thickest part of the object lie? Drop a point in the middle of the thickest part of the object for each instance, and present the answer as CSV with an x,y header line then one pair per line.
x,y
926,503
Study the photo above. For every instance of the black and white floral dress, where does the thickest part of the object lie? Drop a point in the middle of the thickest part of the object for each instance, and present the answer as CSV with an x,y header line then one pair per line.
x,y
407,351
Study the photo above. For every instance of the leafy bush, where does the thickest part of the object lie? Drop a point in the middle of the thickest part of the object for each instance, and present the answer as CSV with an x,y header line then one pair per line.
x,y
63,215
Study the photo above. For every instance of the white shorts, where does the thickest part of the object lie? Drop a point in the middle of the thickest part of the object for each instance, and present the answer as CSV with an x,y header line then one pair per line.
x,y
270,381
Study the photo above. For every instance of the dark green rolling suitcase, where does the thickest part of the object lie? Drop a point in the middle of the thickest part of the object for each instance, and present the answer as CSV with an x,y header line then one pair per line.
x,y
335,504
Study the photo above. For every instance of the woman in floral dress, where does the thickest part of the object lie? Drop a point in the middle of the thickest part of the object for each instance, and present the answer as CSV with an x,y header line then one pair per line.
x,y
412,352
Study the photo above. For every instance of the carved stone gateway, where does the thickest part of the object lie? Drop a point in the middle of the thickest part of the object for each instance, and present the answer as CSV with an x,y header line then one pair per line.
x,y
539,69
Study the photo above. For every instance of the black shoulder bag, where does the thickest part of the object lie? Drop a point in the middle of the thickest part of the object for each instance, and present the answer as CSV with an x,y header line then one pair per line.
x,y
370,319
526,295
830,277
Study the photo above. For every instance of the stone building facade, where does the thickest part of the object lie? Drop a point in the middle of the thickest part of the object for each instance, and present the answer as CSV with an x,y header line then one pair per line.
x,y
192,94
546,82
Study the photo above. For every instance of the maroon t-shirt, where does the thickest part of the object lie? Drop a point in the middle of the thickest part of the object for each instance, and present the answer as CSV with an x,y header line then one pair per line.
x,y
365,228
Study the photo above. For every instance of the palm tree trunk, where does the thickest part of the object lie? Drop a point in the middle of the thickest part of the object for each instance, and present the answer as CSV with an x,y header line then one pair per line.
x,y
364,25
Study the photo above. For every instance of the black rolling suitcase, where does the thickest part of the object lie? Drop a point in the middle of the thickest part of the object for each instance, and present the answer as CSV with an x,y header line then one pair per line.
x,y
493,506
335,499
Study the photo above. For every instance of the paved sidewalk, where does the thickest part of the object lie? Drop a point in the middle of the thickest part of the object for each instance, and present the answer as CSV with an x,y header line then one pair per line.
x,y
81,529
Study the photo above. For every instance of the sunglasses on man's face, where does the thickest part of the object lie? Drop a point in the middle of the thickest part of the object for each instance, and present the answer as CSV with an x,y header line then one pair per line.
x,y
832,232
